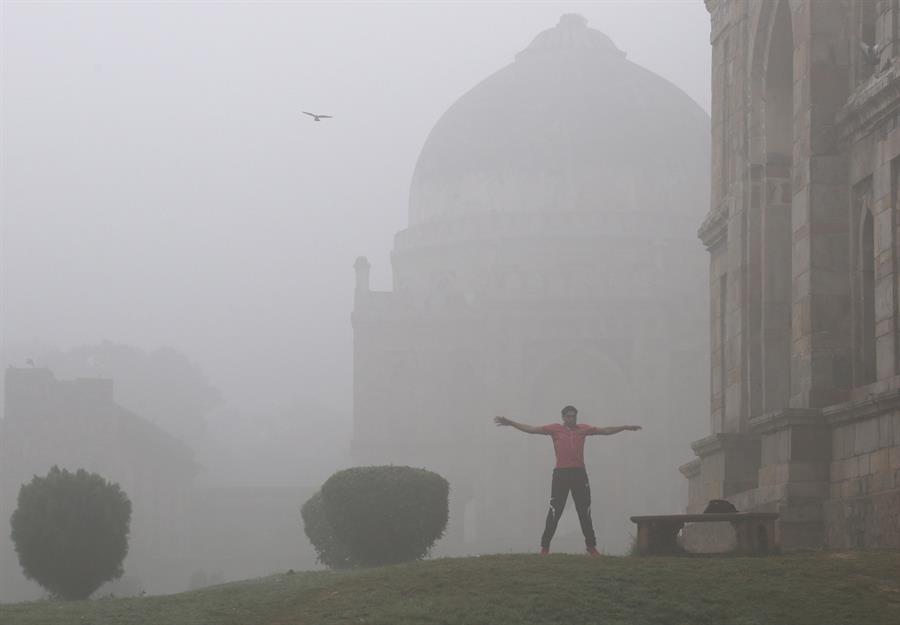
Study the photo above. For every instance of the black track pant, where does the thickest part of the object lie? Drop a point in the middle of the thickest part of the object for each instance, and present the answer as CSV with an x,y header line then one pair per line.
x,y
565,480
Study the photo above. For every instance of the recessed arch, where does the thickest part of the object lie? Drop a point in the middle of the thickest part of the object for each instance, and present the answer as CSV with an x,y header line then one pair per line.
x,y
779,87
776,128
767,15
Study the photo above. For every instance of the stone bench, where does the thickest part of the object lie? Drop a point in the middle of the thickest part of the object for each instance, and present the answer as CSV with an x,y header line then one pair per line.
x,y
755,531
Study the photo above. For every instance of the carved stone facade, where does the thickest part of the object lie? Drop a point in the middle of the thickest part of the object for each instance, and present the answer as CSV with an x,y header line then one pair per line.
x,y
803,238
550,259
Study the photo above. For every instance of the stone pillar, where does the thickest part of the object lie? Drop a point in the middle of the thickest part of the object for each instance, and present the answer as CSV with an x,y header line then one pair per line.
x,y
752,301
884,185
728,460
691,471
794,473
821,287
776,283
718,286
728,465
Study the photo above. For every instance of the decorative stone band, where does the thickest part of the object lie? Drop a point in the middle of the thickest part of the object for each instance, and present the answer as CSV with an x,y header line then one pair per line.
x,y
719,442
578,226
872,103
690,469
861,409
786,418
713,229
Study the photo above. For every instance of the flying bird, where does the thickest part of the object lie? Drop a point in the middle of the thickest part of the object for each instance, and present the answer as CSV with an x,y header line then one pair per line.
x,y
871,54
317,117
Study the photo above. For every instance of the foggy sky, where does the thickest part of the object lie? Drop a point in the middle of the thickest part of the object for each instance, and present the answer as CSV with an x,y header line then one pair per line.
x,y
160,186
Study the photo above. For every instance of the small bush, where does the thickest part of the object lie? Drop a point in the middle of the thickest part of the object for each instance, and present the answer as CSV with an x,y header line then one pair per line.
x,y
376,515
329,551
386,514
70,531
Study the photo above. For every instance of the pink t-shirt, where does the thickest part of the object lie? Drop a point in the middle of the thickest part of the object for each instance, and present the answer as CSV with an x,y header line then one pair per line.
x,y
568,443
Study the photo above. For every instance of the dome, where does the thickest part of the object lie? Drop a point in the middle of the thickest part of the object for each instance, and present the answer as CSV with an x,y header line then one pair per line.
x,y
570,126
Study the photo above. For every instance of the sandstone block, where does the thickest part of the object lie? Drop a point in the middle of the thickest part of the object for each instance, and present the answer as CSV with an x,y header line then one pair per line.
x,y
848,489
882,481
807,491
851,467
808,471
844,441
803,513
894,458
885,430
836,471
863,464
866,436
782,473
767,475
835,490
880,461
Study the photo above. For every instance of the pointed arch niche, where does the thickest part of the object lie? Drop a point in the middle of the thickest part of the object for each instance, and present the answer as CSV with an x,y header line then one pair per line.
x,y
776,267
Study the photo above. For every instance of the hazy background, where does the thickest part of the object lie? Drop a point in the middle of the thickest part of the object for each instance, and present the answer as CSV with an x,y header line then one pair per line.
x,y
161,188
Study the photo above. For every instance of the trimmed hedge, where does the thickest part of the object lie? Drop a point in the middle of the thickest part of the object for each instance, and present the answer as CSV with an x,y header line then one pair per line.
x,y
329,551
70,531
377,515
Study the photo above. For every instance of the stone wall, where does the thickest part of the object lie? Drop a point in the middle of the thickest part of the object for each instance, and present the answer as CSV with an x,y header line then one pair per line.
x,y
805,372
863,509
863,522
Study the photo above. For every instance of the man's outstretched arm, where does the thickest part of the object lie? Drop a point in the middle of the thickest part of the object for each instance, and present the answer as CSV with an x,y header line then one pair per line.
x,y
530,429
614,430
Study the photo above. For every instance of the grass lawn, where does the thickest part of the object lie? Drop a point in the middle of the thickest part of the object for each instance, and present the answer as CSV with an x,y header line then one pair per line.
x,y
837,588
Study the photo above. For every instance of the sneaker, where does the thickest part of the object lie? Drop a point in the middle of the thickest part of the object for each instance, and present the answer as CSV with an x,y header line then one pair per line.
x,y
591,551
545,551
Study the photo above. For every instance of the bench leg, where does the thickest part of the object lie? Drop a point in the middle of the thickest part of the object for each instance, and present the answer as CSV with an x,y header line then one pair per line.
x,y
658,537
755,536
643,539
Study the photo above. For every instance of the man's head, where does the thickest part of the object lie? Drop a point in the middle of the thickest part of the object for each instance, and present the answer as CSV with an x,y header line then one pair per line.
x,y
570,415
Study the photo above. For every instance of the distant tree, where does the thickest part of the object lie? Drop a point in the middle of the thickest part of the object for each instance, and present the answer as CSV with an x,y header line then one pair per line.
x,y
162,385
378,515
70,531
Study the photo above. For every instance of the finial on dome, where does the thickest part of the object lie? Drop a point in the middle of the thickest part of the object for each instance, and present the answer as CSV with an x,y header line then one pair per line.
x,y
572,20
571,33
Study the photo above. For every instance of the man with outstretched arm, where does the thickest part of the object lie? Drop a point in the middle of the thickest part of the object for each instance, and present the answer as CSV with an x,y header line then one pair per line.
x,y
569,473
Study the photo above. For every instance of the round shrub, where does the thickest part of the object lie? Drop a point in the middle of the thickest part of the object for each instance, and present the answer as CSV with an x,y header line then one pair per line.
x,y
329,551
386,514
70,531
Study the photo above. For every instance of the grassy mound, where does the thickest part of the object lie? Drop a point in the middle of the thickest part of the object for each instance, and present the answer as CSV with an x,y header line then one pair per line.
x,y
853,588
